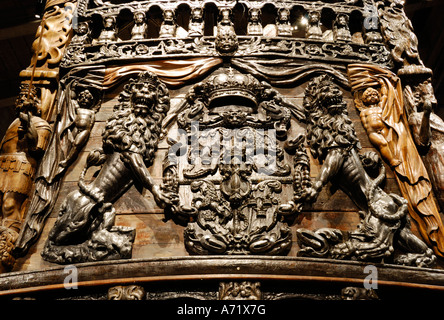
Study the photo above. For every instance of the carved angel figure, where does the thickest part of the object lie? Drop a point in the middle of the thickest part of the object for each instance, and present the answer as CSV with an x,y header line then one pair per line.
x,y
84,230
411,174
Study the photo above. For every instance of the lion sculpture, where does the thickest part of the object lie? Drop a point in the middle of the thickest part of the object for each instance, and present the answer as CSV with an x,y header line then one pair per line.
x,y
385,222
85,230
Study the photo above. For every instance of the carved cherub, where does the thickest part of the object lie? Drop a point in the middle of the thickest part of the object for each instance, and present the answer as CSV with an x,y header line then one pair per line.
x,y
371,117
83,123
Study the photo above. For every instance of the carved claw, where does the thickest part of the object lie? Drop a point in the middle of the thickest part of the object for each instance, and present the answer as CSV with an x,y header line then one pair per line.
x,y
164,199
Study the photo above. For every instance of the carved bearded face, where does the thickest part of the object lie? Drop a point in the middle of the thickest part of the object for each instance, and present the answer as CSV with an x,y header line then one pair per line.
x,y
143,97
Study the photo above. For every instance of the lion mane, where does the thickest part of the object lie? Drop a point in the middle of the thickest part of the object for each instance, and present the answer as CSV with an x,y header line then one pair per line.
x,y
124,131
327,128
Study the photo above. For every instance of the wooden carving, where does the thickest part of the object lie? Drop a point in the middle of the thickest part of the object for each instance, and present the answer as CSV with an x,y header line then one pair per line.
x,y
52,38
427,128
21,150
399,149
85,230
235,169
384,217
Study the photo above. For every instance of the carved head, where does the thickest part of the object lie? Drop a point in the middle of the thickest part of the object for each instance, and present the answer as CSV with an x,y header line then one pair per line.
x,y
197,14
83,28
331,98
27,100
85,99
168,16
425,96
143,96
314,17
371,97
255,15
109,22
341,20
284,15
139,17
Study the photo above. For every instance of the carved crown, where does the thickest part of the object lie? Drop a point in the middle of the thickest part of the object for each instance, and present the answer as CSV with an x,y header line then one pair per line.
x,y
232,87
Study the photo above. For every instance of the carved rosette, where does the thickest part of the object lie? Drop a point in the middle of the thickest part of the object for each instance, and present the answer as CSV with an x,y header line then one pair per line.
x,y
235,180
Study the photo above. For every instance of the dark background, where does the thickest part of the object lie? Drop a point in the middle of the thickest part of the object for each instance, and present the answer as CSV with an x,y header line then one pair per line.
x,y
18,26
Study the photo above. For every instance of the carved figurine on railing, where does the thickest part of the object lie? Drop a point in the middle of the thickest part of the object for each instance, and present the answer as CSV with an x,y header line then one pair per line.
x,y
168,27
254,26
341,31
82,35
85,230
411,173
20,153
196,25
109,31
384,217
314,30
283,23
138,32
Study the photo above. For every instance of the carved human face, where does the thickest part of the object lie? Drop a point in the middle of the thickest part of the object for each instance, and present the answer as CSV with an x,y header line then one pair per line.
x,y
143,96
283,15
85,99
109,22
139,17
371,97
313,17
342,20
254,16
168,15
235,116
197,14
83,28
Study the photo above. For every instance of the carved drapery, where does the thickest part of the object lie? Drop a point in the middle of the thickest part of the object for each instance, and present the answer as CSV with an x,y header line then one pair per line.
x,y
410,172
384,221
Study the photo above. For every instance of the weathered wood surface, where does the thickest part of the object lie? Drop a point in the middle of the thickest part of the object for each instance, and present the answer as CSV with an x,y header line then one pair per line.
x,y
157,238
172,270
